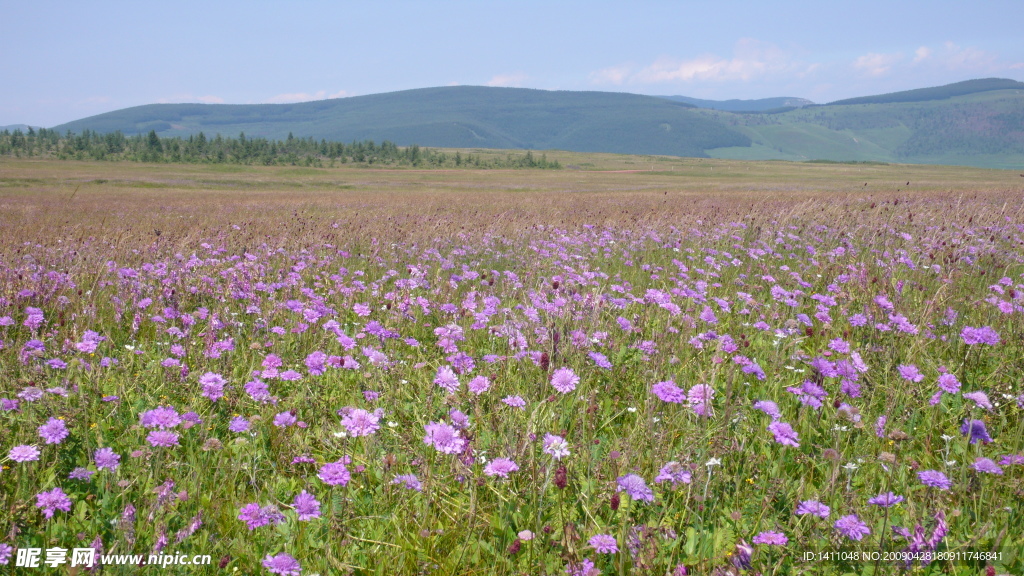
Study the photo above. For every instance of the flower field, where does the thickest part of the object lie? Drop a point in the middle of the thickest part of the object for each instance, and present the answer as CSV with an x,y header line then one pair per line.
x,y
618,378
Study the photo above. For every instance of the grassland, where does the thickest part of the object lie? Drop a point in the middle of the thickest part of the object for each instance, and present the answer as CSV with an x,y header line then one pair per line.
x,y
401,345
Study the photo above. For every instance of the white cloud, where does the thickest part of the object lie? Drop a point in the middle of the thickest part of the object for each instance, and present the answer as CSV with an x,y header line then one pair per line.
x,y
189,98
751,59
875,64
514,80
294,97
922,54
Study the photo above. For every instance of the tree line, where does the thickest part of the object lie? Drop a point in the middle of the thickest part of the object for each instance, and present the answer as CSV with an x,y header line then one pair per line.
x,y
199,149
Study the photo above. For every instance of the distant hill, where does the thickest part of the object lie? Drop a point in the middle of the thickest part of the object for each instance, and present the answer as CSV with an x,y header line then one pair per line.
x,y
13,127
455,117
760,105
974,123
936,93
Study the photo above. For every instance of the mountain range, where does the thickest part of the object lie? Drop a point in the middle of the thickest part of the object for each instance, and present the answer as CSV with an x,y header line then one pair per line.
x,y
976,123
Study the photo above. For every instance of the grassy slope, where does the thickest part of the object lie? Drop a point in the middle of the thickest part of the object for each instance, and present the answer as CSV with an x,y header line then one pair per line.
x,y
454,117
982,129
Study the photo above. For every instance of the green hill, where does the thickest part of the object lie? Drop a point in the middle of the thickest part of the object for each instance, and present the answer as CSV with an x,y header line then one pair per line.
x,y
455,117
974,123
759,105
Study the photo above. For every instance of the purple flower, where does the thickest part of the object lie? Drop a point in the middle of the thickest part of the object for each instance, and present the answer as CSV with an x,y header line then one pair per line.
x,y
81,474
979,398
768,407
852,527
935,479
556,446
976,430
949,383
910,372
784,434
213,385
479,385
1012,460
161,417
770,538
564,380
812,507
410,481
306,506
501,467
106,458
290,376
283,564
699,398
285,419
335,473
667,391
604,543
54,431
446,378
238,424
257,390
6,551
514,401
443,438
636,488
675,473
459,418
52,501
600,360
886,500
24,453
359,422
164,438
585,568
986,465
983,335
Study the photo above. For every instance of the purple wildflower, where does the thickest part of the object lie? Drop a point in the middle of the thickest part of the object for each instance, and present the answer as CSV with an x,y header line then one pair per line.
x,y
770,538
976,430
852,527
410,481
54,431
812,507
6,551
53,500
949,383
447,379
514,401
290,376
81,474
604,543
282,564
285,419
986,465
164,438
556,446
161,417
306,506
564,380
257,390
699,398
983,335
106,458
359,422
636,488
886,500
501,467
1012,460
24,453
238,424
213,385
979,398
479,385
335,473
910,373
768,407
784,434
443,438
667,391
675,473
935,479
585,568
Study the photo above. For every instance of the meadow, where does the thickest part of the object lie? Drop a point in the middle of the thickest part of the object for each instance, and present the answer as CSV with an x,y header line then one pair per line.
x,y
634,365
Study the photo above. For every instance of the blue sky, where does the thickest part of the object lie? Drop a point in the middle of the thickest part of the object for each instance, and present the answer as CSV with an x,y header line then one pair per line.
x,y
61,61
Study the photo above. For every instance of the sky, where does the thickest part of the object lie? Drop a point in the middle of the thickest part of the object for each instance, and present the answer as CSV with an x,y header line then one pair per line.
x,y
61,61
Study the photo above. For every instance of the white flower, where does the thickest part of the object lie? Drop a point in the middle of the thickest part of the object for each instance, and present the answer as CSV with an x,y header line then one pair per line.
x,y
851,466
713,462
631,409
